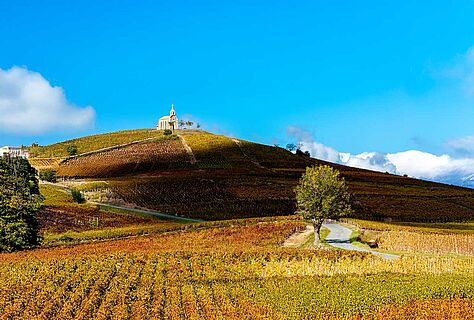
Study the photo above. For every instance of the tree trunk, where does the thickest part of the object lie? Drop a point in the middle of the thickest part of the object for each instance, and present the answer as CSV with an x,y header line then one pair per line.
x,y
317,224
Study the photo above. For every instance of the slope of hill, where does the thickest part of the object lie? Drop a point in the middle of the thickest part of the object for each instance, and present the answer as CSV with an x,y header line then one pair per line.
x,y
202,175
92,143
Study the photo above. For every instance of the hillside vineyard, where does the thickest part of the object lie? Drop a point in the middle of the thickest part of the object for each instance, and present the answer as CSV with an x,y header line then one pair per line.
x,y
232,178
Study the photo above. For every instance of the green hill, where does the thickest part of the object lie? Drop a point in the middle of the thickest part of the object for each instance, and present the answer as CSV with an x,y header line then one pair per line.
x,y
202,175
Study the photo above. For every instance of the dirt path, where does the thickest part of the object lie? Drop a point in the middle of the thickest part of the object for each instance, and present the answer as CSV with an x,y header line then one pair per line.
x,y
297,239
255,162
188,149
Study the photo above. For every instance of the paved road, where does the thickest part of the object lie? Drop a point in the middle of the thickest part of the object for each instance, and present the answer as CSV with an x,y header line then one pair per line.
x,y
154,213
339,237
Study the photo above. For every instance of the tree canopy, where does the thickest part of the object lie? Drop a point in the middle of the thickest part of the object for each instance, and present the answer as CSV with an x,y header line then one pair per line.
x,y
20,201
322,194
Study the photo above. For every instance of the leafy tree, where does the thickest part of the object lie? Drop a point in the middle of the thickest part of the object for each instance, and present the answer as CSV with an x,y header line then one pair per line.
x,y
322,194
291,147
20,168
48,175
19,203
72,150
182,124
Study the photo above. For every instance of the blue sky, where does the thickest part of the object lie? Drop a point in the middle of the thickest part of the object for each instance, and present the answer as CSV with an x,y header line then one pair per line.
x,y
358,76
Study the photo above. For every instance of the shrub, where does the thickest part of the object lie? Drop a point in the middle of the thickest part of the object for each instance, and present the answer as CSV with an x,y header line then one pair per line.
x,y
77,196
301,153
72,150
167,132
48,175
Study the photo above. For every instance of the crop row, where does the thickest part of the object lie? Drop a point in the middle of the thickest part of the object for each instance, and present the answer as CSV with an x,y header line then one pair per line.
x,y
428,242
209,197
231,271
410,208
93,142
143,157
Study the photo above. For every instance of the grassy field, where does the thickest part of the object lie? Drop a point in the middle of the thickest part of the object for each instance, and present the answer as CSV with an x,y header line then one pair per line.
x,y
229,269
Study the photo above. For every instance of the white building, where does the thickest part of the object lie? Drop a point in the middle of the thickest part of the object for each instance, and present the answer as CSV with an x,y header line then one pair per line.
x,y
14,151
168,122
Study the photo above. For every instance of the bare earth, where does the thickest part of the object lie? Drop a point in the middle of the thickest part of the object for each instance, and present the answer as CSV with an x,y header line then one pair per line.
x,y
298,238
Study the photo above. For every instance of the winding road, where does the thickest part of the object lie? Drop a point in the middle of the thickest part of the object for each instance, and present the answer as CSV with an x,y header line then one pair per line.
x,y
339,237
150,212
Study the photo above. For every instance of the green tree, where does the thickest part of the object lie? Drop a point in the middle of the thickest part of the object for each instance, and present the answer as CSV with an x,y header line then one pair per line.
x,y
72,150
322,194
291,147
19,203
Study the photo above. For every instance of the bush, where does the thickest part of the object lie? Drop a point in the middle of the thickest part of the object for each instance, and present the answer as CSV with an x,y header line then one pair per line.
x,y
71,150
167,132
19,203
301,153
48,175
77,196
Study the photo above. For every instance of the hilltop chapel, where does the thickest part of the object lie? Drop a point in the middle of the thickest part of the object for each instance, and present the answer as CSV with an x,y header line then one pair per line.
x,y
168,122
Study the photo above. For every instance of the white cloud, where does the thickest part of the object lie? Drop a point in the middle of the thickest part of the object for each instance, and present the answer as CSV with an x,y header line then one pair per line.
x,y
320,151
29,104
414,163
372,161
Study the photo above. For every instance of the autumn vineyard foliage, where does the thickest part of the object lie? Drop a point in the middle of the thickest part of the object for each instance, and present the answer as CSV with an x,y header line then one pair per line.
x,y
233,270
451,238
161,154
103,262
233,178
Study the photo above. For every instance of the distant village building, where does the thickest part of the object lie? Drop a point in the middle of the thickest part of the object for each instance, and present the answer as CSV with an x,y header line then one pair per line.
x,y
168,122
14,151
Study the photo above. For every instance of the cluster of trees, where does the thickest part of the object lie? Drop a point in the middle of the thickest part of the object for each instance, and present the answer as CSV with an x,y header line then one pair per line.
x,y
297,149
20,200
187,124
